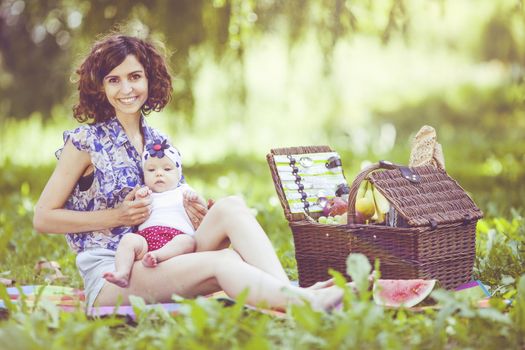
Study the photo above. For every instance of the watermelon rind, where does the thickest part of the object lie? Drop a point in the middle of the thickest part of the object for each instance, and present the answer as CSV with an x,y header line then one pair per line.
x,y
401,293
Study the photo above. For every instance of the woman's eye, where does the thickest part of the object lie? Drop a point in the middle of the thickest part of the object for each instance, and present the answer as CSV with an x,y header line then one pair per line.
x,y
112,80
136,77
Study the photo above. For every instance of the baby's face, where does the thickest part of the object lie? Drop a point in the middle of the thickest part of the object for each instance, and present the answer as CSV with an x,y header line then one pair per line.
x,y
161,174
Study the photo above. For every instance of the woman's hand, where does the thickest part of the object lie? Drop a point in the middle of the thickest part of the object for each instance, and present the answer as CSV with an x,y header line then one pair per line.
x,y
195,207
134,210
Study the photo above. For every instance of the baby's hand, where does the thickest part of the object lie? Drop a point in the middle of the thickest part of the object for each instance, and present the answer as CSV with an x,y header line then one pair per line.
x,y
142,192
190,195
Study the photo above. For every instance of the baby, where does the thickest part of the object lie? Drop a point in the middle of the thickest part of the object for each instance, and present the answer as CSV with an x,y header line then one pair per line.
x,y
168,231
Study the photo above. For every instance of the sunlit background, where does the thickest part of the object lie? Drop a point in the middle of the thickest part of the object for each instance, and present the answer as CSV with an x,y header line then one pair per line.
x,y
361,76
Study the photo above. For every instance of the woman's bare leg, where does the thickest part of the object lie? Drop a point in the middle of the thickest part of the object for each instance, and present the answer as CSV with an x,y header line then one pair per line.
x,y
180,244
230,220
131,247
201,273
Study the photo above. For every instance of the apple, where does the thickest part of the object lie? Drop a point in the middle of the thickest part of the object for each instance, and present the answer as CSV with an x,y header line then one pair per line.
x,y
337,206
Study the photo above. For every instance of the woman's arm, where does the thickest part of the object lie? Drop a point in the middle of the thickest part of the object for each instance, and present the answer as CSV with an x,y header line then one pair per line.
x,y
51,217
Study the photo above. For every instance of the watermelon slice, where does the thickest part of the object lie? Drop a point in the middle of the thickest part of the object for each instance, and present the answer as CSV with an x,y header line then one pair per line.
x,y
407,293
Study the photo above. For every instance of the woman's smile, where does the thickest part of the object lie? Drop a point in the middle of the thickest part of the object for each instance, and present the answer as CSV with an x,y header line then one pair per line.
x,y
128,100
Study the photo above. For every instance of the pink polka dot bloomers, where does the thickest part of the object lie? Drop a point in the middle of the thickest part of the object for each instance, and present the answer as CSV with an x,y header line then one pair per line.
x,y
158,236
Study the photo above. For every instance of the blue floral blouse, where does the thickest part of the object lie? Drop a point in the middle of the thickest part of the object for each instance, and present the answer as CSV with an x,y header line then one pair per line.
x,y
117,170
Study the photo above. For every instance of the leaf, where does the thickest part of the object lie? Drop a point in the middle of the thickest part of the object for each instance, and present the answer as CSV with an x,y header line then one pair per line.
x,y
518,312
53,311
358,267
257,343
306,317
4,296
198,317
138,304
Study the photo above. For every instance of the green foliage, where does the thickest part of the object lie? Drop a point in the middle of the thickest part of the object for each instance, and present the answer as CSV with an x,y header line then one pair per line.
x,y
207,324
58,32
482,141
480,127
501,251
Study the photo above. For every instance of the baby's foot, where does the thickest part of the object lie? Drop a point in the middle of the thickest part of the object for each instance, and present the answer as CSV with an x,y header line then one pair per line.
x,y
149,260
119,278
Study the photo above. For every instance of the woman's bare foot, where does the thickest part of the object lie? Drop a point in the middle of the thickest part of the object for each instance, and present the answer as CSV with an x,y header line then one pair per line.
x,y
326,299
121,279
322,284
331,282
150,260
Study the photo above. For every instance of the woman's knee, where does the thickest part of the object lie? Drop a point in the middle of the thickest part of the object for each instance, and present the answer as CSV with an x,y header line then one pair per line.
x,y
228,206
227,257
226,260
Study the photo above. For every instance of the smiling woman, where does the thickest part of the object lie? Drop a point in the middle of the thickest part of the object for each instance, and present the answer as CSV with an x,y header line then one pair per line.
x,y
120,64
120,80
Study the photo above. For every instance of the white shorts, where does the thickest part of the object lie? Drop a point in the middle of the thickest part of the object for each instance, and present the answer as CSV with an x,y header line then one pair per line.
x,y
92,264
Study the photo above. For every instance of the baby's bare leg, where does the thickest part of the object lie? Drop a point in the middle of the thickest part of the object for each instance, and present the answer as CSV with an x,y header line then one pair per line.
x,y
131,247
180,244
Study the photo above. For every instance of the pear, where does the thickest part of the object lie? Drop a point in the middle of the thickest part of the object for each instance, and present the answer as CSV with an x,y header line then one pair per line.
x,y
365,207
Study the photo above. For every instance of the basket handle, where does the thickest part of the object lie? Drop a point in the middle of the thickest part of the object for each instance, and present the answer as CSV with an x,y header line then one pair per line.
x,y
406,172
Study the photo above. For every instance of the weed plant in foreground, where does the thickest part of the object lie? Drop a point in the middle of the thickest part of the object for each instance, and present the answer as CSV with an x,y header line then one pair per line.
x,y
207,324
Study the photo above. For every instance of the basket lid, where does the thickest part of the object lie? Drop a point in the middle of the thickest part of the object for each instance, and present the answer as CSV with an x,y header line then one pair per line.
x,y
425,195
303,176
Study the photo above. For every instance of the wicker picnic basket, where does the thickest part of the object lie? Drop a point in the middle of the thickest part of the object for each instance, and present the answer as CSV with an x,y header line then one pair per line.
x,y
437,240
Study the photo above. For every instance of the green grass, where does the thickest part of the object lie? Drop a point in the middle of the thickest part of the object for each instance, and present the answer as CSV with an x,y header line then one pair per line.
x,y
205,324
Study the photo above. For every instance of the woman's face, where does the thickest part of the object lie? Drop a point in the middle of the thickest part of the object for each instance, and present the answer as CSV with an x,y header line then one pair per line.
x,y
126,87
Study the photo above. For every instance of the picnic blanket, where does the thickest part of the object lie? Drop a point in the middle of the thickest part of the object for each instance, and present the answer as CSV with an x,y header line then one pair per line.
x,y
71,299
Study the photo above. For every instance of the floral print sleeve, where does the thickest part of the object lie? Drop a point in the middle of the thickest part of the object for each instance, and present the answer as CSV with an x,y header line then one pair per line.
x,y
117,170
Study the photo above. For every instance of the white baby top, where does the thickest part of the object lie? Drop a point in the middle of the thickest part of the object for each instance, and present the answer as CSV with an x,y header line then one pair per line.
x,y
168,210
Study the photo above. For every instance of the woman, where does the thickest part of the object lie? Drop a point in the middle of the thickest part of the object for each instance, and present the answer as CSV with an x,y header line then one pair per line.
x,y
90,196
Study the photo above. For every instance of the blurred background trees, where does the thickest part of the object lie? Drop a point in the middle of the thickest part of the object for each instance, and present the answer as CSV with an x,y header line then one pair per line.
x,y
360,75
40,40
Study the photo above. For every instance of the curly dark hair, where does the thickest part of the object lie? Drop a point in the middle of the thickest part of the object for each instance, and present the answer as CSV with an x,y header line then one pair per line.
x,y
105,55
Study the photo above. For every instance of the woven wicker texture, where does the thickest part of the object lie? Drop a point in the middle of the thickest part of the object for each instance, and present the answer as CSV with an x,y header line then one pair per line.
x,y
277,181
436,197
444,250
